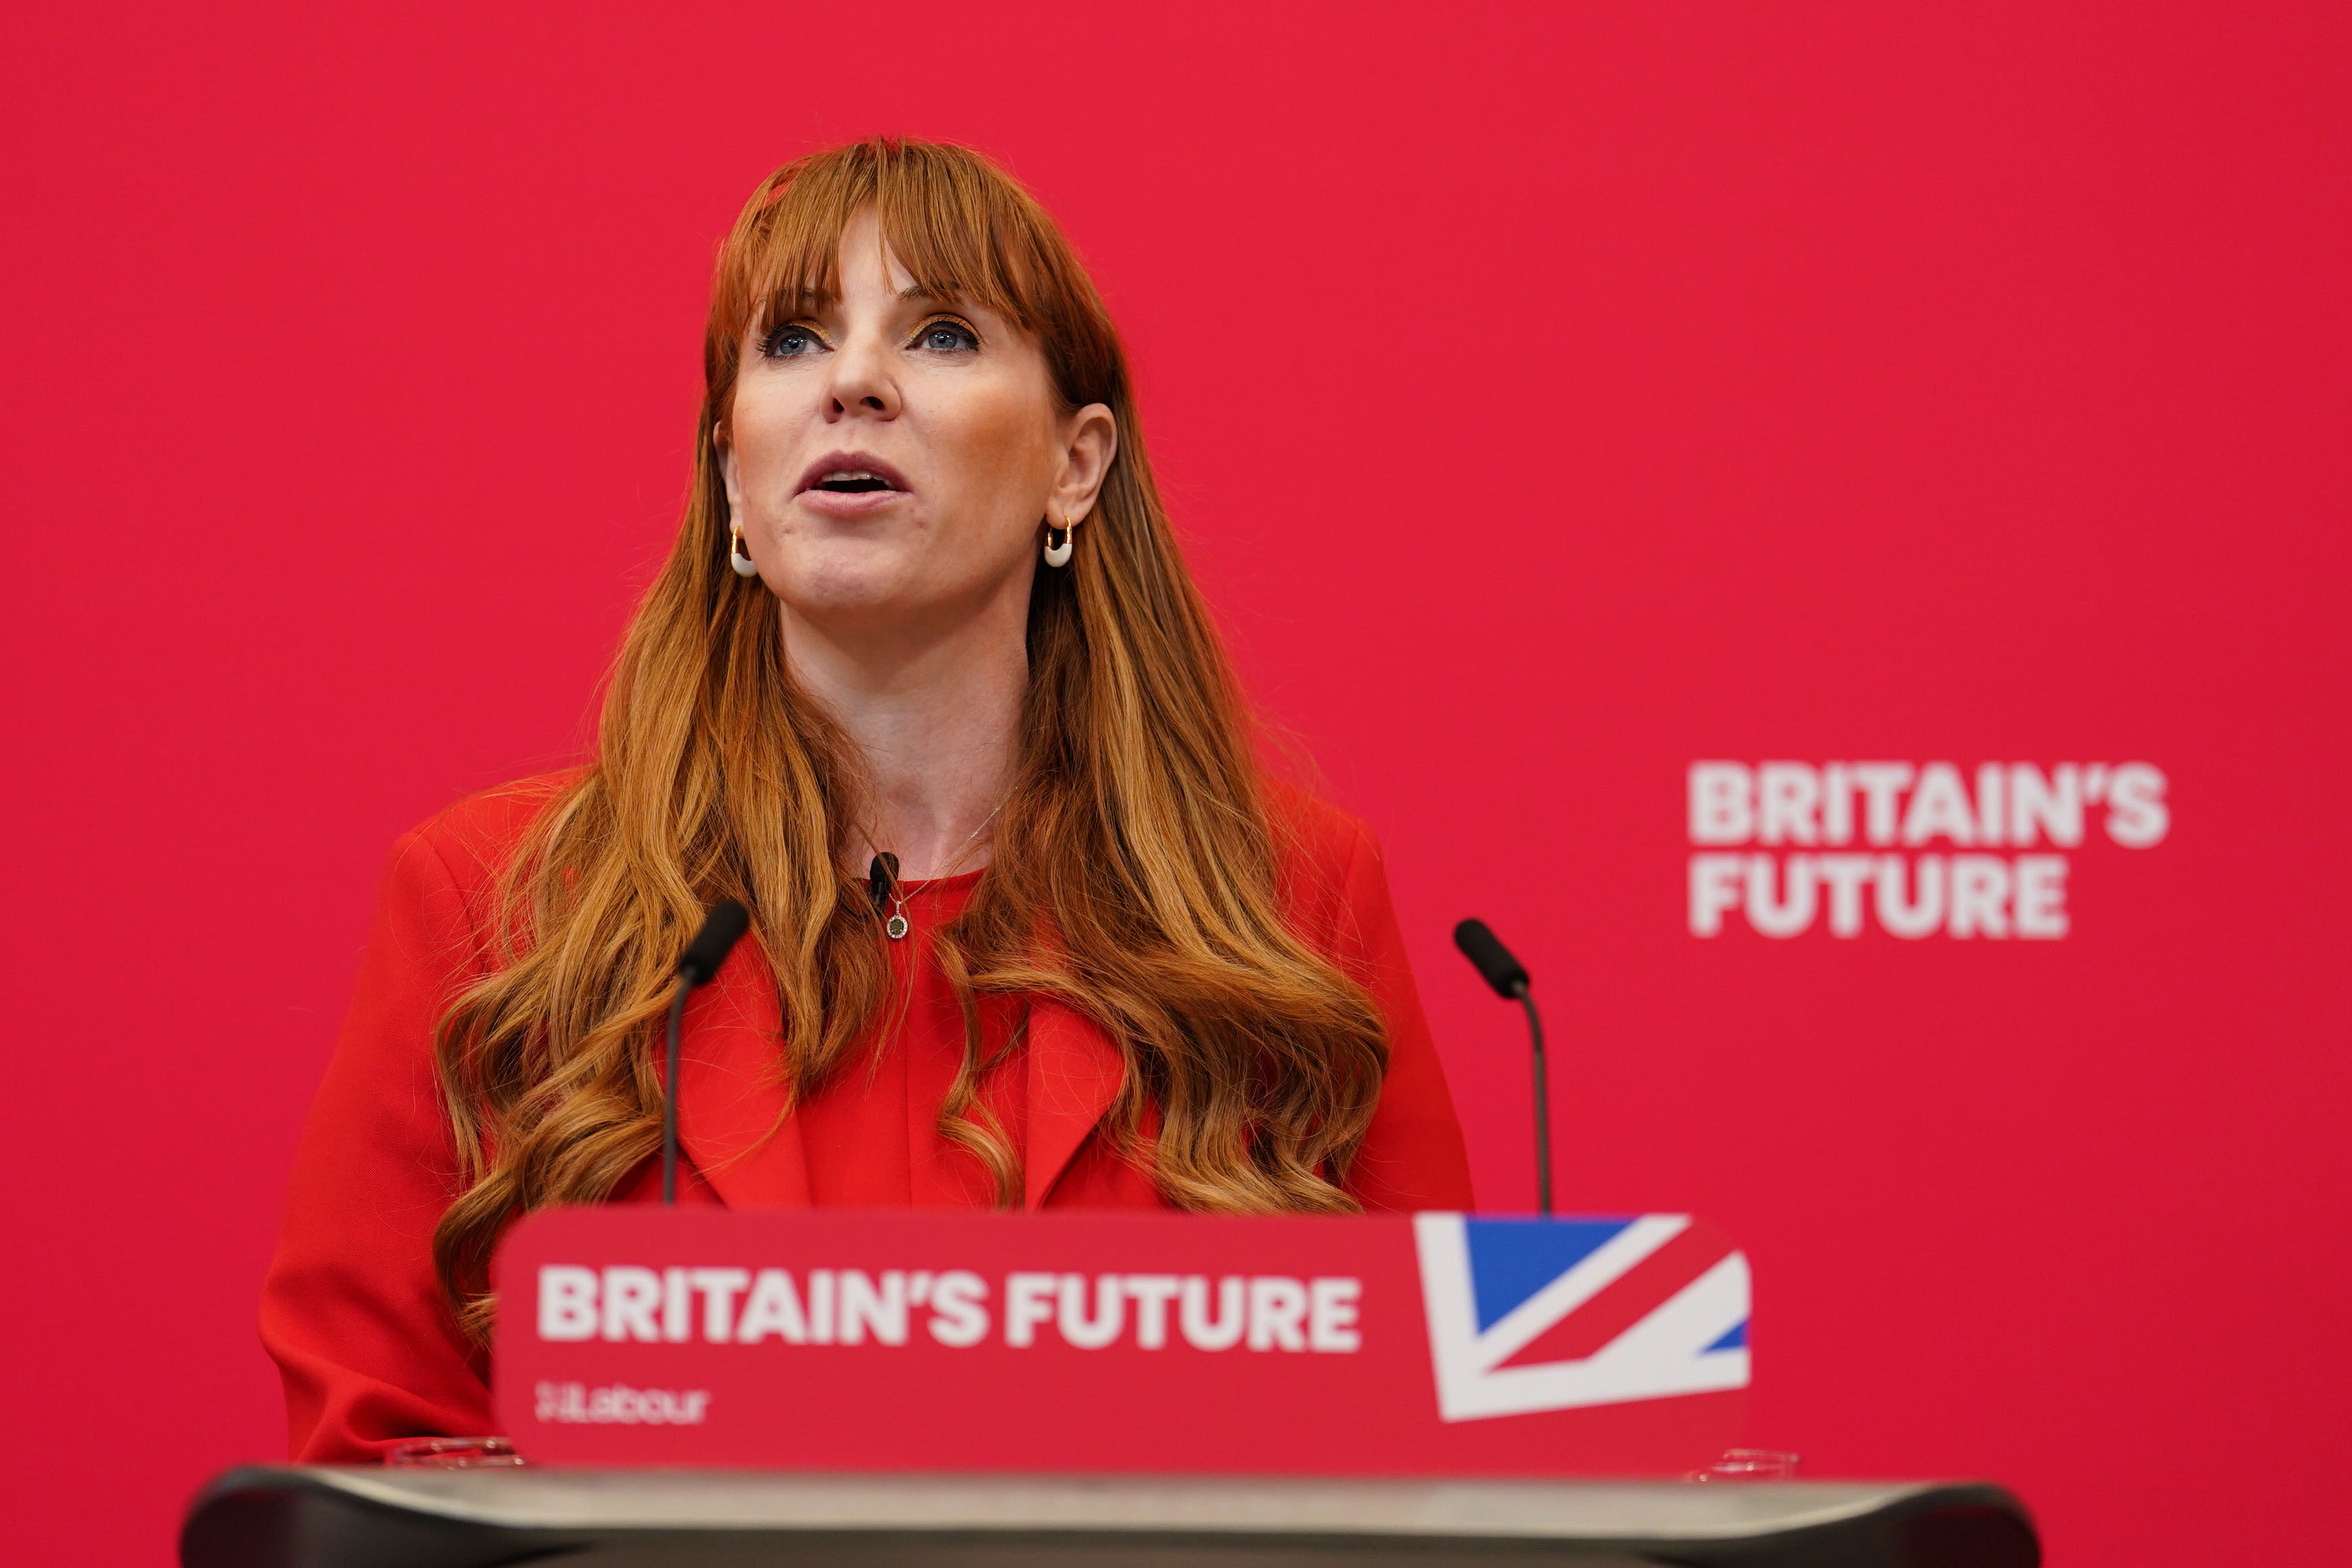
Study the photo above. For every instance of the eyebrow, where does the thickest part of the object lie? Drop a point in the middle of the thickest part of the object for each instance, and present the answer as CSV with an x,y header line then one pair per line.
x,y
814,299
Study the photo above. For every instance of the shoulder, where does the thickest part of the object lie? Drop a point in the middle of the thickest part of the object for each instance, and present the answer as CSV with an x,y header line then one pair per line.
x,y
1326,858
1310,828
472,842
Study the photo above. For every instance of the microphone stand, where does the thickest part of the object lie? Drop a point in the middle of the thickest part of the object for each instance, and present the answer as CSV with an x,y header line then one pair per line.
x,y
669,1094
1543,1105
1508,977
722,926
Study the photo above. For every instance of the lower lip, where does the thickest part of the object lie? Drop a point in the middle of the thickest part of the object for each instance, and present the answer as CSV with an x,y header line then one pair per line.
x,y
849,504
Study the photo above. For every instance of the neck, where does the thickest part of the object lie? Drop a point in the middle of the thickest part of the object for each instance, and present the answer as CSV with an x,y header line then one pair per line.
x,y
937,714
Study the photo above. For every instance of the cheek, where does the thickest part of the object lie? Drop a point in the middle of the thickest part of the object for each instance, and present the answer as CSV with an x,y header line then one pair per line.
x,y
762,428
999,436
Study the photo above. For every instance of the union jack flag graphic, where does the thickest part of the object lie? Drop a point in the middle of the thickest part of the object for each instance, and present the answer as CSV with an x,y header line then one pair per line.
x,y
1560,1314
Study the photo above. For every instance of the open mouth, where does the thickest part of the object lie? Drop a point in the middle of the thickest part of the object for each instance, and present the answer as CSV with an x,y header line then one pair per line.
x,y
852,484
852,474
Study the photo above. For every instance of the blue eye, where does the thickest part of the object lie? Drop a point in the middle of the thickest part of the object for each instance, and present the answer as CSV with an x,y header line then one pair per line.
x,y
789,343
950,337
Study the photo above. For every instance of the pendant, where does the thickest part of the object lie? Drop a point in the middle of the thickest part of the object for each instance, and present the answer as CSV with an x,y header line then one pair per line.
x,y
897,926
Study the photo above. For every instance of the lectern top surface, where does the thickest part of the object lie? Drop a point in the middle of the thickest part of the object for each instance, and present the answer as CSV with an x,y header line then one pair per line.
x,y
702,1499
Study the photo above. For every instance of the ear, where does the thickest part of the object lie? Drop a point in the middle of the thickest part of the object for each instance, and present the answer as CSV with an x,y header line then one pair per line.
x,y
1089,442
728,474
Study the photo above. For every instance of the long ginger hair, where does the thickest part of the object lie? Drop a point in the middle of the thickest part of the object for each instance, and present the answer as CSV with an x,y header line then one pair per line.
x,y
1135,868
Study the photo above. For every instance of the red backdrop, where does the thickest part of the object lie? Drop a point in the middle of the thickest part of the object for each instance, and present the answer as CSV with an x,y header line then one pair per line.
x,y
1554,397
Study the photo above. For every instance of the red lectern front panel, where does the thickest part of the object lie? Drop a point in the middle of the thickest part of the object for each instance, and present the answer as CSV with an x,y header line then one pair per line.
x,y
1438,1344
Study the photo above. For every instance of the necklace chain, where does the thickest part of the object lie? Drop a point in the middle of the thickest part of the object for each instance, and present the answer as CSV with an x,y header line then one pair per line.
x,y
897,926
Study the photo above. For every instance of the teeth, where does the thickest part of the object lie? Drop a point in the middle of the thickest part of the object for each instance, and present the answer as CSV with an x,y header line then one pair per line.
x,y
850,474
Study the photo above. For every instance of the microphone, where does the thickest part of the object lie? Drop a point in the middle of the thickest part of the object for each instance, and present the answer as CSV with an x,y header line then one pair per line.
x,y
722,928
1508,976
880,878
1493,961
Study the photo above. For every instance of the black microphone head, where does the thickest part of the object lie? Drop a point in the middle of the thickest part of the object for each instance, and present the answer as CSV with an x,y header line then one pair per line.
x,y
722,928
1506,974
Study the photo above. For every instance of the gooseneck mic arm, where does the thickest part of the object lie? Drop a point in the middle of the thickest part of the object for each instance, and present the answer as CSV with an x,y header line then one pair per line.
x,y
1508,976
722,928
1543,1106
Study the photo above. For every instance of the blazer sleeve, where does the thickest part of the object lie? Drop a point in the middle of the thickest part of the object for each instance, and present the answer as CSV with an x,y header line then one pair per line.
x,y
352,1310
1413,1156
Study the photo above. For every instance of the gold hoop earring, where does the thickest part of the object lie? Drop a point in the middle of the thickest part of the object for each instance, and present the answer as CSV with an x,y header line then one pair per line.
x,y
1057,551
736,557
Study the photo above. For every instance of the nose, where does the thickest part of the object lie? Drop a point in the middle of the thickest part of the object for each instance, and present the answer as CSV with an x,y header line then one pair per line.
x,y
862,383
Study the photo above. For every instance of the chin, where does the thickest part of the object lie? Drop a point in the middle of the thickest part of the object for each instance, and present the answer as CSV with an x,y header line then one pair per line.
x,y
846,577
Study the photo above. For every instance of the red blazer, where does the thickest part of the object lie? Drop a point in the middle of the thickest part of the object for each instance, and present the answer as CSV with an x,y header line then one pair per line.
x,y
352,1310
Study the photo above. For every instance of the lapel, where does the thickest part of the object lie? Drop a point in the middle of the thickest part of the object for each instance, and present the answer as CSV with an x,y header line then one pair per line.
x,y
731,1110
732,1115
1074,1073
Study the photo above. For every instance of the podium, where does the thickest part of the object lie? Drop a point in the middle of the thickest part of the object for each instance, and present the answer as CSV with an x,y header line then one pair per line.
x,y
932,1390
337,1517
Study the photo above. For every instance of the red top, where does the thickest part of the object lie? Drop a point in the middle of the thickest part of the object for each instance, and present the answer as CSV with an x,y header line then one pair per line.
x,y
871,1134
351,1309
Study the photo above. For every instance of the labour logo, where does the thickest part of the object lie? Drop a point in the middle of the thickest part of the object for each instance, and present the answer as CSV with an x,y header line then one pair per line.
x,y
1539,1314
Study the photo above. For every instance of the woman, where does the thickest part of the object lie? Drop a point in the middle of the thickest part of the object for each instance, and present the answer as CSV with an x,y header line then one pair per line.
x,y
925,685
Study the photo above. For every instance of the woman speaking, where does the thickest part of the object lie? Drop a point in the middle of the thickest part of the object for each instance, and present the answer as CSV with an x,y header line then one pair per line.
x,y
924,684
